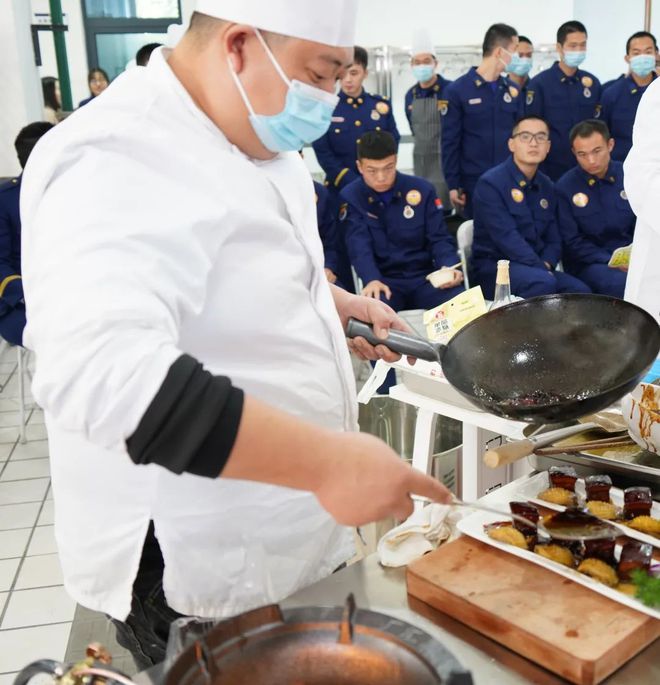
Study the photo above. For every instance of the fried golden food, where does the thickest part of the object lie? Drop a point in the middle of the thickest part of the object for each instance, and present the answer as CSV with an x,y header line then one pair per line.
x,y
558,496
629,589
604,510
645,524
600,571
562,555
508,534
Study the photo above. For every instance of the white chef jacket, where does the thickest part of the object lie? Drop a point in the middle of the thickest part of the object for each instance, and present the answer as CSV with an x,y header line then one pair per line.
x,y
642,184
146,235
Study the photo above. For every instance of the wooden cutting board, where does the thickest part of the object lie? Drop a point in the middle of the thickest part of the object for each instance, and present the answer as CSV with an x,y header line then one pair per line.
x,y
565,627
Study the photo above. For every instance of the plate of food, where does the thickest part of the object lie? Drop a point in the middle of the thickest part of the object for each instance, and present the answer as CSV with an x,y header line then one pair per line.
x,y
623,569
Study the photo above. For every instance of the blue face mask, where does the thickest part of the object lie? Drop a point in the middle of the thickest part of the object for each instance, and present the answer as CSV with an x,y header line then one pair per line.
x,y
520,66
642,65
423,72
306,116
574,59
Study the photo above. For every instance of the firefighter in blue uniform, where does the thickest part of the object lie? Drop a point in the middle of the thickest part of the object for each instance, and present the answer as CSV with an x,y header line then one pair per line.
x,y
515,219
336,151
12,305
564,95
520,66
395,230
594,215
327,221
422,106
482,107
620,101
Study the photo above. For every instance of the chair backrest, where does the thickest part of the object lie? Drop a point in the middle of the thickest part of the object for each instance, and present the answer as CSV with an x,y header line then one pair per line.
x,y
464,238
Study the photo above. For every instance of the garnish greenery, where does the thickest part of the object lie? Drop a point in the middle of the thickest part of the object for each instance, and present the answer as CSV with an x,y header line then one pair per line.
x,y
648,588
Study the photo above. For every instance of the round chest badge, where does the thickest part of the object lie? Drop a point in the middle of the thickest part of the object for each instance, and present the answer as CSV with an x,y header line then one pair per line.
x,y
413,197
514,91
587,93
580,200
507,97
624,195
408,212
587,81
544,203
375,115
517,195
382,107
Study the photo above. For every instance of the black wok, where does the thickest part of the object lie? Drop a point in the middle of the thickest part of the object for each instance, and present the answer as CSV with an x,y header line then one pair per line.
x,y
547,359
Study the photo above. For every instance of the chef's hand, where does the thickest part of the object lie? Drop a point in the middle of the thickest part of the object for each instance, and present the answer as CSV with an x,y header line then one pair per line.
x,y
375,288
457,199
621,268
375,312
457,280
369,482
329,274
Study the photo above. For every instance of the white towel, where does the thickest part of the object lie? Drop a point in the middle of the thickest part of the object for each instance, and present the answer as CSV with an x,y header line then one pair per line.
x,y
419,534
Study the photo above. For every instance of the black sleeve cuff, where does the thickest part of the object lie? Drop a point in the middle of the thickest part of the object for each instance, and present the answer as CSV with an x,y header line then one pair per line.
x,y
192,422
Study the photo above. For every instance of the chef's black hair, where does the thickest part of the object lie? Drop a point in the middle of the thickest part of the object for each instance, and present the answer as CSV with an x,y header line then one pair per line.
x,y
572,26
144,53
498,36
587,128
376,145
50,96
524,39
27,138
360,56
641,34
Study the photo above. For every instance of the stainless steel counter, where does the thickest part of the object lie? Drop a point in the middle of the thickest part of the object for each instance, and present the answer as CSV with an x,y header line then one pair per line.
x,y
384,590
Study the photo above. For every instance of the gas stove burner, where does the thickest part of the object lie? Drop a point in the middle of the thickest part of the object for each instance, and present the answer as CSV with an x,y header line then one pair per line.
x,y
316,646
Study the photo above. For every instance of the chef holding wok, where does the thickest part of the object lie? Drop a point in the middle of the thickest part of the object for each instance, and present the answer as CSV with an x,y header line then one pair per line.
x,y
191,358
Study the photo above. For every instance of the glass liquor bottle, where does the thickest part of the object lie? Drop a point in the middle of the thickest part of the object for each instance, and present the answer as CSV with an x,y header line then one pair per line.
x,y
503,294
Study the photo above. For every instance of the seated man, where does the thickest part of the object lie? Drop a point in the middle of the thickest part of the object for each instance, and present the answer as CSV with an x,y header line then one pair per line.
x,y
514,219
594,214
395,230
327,232
12,305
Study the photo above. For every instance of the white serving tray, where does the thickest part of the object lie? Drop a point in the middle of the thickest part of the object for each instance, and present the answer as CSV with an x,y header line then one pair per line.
x,y
473,525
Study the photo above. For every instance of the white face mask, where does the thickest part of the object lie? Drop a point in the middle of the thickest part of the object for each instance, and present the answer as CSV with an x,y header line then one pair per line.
x,y
306,116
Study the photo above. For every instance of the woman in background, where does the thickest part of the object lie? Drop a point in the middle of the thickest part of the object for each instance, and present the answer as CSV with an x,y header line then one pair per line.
x,y
52,100
98,81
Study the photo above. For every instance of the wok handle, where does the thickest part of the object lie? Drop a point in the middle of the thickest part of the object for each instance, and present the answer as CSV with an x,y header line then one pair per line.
x,y
397,341
508,453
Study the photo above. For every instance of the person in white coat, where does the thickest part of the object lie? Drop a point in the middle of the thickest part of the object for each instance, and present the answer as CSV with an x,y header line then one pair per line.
x,y
184,329
642,185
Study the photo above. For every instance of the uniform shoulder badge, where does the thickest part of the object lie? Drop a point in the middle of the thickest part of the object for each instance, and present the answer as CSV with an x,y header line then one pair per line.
x,y
443,105
382,107
544,203
507,97
343,211
514,91
598,111
530,97
413,197
587,81
438,203
624,195
375,115
580,199
517,195
586,92
408,212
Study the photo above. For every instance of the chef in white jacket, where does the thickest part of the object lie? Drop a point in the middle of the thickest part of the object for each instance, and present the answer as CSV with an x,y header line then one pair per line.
x,y
184,329
642,184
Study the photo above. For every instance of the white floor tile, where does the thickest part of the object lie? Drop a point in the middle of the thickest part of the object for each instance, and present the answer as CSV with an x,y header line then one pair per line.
x,y
8,434
8,678
19,515
37,417
3,600
47,516
36,432
9,418
18,648
43,541
49,494
9,404
16,492
30,450
13,542
26,469
39,572
5,450
42,606
8,568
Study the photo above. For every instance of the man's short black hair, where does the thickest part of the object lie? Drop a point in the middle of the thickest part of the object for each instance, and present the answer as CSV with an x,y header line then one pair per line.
x,y
529,117
572,26
144,53
641,34
587,128
524,39
360,56
376,145
27,138
498,35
